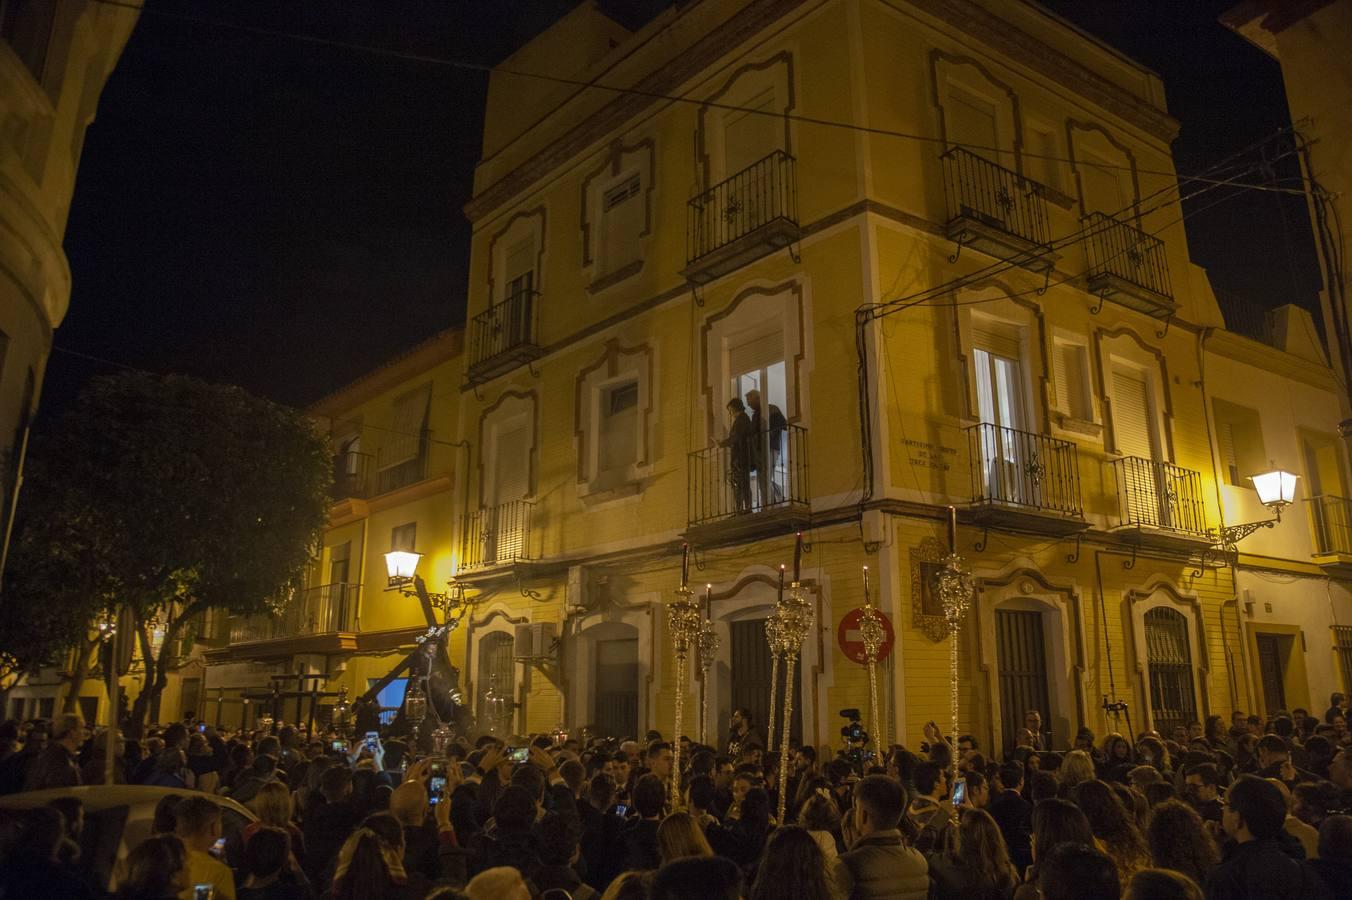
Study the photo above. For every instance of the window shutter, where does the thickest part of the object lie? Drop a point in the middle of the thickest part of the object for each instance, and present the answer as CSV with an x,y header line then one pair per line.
x,y
1131,415
519,267
404,441
996,338
1226,432
750,136
512,470
618,438
620,193
754,354
1069,370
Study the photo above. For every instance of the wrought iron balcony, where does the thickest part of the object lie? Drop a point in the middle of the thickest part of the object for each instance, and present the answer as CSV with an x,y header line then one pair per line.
x,y
1331,525
759,485
751,214
351,475
1160,502
326,609
498,536
1128,266
402,474
1024,480
996,210
504,336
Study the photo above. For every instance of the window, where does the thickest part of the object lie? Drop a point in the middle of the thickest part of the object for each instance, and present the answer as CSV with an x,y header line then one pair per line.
x,y
996,355
1071,371
756,364
494,687
623,218
1342,636
1106,187
1044,160
26,25
520,268
1173,700
403,456
46,706
617,441
751,133
1239,438
971,122
1133,414
403,537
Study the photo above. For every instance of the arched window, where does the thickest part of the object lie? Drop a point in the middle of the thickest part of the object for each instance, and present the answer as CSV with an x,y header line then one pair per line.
x,y
1173,698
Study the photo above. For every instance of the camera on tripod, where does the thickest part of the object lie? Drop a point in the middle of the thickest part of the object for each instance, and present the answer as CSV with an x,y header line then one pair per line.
x,y
855,739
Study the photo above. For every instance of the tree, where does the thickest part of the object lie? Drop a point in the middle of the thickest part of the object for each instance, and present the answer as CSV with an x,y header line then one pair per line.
x,y
181,497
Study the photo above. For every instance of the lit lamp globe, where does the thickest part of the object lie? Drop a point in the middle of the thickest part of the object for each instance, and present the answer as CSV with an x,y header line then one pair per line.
x,y
400,565
1276,489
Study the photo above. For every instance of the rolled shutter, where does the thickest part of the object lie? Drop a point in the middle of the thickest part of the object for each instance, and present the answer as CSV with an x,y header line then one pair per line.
x,y
404,441
1131,415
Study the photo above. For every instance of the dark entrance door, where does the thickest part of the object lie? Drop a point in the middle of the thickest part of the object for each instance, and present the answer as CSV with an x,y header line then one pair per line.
x,y
1271,671
751,679
1021,656
617,688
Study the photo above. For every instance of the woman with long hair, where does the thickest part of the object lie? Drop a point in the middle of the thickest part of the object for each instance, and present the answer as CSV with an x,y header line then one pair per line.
x,y
1161,884
977,867
792,868
679,836
1115,830
1118,757
632,885
749,830
1076,768
1152,752
273,806
156,870
1055,822
1178,840
368,868
821,817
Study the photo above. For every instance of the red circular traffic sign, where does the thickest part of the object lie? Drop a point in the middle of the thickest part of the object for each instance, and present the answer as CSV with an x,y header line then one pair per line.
x,y
852,642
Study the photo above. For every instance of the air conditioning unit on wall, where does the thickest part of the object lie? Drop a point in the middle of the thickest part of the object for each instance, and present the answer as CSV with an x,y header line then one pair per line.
x,y
535,642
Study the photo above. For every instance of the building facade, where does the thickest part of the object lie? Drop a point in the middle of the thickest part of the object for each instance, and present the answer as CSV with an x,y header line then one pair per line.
x,y
934,248
55,56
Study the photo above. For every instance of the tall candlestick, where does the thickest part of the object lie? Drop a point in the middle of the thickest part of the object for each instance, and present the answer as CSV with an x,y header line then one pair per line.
x,y
709,599
798,558
866,584
952,530
685,564
781,579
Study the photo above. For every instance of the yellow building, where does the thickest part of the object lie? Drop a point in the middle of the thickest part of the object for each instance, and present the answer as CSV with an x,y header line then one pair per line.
x,y
943,241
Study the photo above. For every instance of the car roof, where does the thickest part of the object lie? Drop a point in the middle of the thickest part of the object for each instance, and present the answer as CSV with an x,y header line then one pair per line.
x,y
96,797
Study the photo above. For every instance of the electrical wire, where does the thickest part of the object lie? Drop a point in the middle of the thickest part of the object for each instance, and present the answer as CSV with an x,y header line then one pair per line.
x,y
486,69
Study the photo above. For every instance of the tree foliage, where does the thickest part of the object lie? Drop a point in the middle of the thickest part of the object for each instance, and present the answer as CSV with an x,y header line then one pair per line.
x,y
171,494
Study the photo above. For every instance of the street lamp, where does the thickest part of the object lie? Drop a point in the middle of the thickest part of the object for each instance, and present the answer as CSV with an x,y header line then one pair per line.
x,y
1276,489
401,566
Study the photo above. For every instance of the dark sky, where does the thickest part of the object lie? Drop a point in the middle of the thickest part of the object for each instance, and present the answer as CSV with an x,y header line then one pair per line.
x,y
284,216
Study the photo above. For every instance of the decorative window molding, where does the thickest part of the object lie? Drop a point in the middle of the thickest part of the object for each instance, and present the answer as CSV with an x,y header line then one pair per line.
x,y
498,620
1123,347
1140,601
509,406
747,83
523,225
627,175
954,78
1028,318
758,309
1074,402
617,368
1088,144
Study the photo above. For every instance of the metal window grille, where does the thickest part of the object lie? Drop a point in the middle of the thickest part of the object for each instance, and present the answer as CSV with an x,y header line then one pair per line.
x,y
1173,698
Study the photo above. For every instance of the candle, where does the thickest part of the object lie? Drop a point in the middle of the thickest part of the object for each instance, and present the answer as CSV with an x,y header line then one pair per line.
x,y
685,564
709,599
798,558
866,599
952,530
781,581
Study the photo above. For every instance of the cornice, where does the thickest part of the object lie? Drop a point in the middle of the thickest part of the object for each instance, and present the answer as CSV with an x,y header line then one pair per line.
x,y
1270,359
966,15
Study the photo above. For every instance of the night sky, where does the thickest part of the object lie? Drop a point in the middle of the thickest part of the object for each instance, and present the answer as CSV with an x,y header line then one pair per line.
x,y
285,216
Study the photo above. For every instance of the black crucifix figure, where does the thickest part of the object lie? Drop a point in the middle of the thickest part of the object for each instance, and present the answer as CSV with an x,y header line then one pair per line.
x,y
429,665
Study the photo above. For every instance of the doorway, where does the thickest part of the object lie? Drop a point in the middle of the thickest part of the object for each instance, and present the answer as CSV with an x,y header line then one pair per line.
x,y
615,688
750,682
1272,671
1021,658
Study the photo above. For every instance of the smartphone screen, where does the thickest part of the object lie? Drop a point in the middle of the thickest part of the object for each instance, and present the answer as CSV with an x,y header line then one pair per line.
x,y
518,754
436,789
339,746
218,848
372,739
203,891
621,810
960,792
202,727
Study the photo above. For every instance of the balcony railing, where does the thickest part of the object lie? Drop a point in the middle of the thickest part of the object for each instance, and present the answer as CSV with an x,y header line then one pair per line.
x,y
410,471
765,472
1022,469
1331,524
1159,495
325,609
1128,265
505,335
986,195
497,535
761,196
352,474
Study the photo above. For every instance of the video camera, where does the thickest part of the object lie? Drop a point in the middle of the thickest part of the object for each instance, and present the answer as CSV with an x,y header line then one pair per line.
x,y
855,740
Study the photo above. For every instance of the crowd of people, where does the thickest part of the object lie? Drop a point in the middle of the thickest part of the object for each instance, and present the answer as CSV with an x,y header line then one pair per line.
x,y
1252,808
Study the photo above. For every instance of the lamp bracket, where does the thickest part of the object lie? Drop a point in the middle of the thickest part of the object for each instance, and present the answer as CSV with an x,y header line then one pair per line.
x,y
1229,536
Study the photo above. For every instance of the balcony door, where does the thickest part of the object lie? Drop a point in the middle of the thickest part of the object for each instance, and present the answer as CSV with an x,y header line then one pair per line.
x,y
972,123
751,133
335,607
504,536
751,668
756,363
1148,491
514,307
1002,407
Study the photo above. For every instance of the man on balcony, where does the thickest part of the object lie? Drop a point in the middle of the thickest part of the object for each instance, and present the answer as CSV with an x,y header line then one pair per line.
x,y
741,444
769,447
